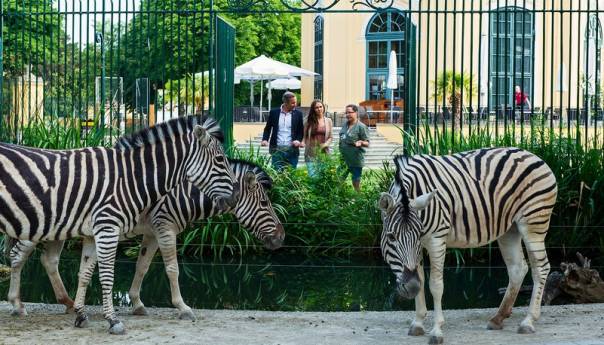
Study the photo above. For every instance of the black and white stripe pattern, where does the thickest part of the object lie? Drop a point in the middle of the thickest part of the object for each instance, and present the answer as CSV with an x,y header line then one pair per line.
x,y
102,193
183,205
462,201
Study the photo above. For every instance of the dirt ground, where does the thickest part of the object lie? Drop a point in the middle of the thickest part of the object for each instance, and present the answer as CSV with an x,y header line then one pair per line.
x,y
46,324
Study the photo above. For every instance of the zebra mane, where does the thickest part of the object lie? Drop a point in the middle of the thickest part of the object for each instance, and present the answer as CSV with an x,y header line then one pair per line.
x,y
261,175
160,132
402,191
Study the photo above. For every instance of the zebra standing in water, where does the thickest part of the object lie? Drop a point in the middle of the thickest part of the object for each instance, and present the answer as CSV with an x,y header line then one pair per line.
x,y
101,193
462,201
168,218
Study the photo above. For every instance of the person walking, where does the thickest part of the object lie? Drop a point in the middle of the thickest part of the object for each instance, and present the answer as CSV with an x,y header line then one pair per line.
x,y
283,133
354,138
317,135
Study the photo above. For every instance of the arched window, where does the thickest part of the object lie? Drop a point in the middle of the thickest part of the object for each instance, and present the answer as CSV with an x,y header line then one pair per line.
x,y
592,62
511,54
386,32
319,57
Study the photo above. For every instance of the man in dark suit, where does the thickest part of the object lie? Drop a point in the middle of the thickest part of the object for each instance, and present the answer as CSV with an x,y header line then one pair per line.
x,y
283,133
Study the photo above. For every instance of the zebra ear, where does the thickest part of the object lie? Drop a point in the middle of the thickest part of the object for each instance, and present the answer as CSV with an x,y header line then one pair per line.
x,y
386,202
201,134
423,200
250,179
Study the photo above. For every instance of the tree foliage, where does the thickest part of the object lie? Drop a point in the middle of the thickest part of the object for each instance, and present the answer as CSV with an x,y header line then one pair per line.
x,y
169,39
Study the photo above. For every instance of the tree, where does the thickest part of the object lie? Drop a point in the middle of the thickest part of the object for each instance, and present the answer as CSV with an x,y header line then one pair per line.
x,y
449,85
169,39
30,39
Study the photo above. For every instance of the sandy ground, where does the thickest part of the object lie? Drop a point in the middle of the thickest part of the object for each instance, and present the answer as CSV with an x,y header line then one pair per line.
x,y
46,324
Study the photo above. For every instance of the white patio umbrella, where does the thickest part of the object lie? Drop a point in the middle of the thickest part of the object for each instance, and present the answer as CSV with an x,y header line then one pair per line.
x,y
392,82
264,68
282,84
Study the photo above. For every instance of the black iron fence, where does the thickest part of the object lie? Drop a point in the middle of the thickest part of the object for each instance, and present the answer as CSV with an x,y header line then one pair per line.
x,y
464,65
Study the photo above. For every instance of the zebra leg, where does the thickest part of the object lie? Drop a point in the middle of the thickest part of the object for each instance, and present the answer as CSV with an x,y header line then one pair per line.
x,y
437,252
417,326
50,260
510,245
145,255
106,239
18,256
534,241
166,237
87,265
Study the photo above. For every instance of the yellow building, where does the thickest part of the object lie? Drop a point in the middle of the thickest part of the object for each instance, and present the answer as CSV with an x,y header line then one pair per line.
x,y
27,99
551,49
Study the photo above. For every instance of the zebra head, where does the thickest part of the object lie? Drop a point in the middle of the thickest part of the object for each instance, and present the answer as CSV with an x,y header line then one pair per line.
x,y
254,209
401,237
209,168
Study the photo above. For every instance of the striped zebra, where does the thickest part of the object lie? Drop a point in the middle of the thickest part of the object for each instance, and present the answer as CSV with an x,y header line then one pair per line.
x,y
101,193
167,219
462,201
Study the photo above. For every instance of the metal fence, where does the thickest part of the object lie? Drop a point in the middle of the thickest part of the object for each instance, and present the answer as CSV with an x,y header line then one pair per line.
x,y
113,65
507,68
123,64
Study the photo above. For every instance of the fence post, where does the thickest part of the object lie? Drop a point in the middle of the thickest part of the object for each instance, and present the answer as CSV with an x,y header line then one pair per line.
x,y
1,65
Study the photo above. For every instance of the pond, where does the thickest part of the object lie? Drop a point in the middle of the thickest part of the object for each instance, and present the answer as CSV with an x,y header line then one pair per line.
x,y
274,282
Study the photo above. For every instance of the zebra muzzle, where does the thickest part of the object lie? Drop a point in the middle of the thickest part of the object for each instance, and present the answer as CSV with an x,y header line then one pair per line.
x,y
276,240
408,287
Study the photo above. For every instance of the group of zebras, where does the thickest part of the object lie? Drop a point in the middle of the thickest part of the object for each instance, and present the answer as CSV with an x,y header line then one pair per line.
x,y
155,182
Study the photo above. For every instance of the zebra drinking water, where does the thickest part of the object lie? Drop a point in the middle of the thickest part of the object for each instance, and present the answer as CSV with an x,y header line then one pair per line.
x,y
101,193
468,200
167,219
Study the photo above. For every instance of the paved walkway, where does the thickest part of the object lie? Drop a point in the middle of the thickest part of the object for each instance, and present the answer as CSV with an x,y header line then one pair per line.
x,y
45,324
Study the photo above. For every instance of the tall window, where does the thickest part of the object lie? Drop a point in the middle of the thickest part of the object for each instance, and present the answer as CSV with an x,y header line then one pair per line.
x,y
386,32
511,54
319,57
592,62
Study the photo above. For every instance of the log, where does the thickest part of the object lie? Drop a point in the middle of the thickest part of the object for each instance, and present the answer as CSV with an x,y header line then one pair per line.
x,y
575,284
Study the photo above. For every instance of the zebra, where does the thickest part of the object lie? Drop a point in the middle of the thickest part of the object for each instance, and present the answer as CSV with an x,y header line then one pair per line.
x,y
168,218
101,193
467,200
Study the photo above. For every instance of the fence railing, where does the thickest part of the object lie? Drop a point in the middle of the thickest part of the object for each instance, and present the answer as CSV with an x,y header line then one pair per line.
x,y
130,63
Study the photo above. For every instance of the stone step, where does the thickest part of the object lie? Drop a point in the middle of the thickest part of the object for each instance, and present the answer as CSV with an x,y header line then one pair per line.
x,y
378,151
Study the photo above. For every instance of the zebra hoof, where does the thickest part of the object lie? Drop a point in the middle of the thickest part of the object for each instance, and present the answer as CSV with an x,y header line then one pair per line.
x,y
187,315
117,328
81,321
140,311
526,329
416,331
19,312
494,326
436,340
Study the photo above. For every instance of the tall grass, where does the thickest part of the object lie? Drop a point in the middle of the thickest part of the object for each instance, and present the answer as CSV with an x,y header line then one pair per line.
x,y
56,133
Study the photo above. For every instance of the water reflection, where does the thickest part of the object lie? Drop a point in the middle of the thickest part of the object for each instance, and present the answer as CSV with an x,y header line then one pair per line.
x,y
279,282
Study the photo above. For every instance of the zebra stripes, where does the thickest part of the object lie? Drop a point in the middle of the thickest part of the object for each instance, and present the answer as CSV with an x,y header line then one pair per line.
x,y
101,193
173,213
462,201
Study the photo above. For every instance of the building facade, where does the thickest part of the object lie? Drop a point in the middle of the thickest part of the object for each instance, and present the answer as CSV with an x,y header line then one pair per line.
x,y
550,49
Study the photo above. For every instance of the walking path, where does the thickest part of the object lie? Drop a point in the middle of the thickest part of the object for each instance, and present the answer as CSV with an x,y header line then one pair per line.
x,y
46,324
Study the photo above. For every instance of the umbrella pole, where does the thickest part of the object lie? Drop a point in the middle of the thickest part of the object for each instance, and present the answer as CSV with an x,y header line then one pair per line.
x,y
270,97
391,104
251,94
261,92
